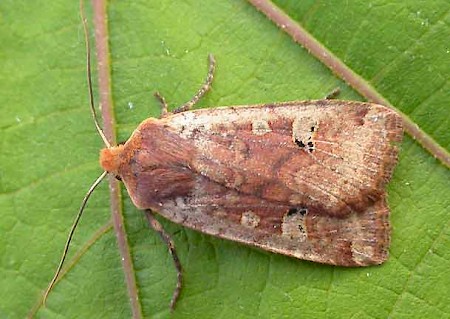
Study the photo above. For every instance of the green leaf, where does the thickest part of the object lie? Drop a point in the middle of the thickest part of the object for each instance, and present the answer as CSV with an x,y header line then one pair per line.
x,y
49,152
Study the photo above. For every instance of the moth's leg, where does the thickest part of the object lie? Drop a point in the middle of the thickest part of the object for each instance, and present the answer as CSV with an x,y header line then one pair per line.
x,y
153,222
333,94
164,106
203,89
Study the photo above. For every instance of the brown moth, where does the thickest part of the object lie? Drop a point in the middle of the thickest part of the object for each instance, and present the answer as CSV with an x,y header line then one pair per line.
x,y
304,178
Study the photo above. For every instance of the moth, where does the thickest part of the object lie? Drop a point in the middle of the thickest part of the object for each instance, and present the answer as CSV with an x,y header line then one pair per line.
x,y
304,178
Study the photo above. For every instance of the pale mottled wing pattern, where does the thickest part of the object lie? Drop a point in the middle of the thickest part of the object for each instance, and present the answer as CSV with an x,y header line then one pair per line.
x,y
305,179
333,155
360,239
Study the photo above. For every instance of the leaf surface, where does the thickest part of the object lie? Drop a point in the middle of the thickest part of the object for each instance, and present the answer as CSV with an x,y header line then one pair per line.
x,y
49,155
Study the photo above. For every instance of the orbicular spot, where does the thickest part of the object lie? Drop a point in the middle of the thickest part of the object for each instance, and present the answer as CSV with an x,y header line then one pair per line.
x,y
260,127
220,213
293,225
250,219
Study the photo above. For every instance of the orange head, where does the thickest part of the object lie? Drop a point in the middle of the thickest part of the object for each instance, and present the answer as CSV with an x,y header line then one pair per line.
x,y
110,159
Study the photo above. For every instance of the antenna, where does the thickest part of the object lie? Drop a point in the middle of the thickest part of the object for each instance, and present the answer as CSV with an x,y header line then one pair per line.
x,y
72,230
89,76
101,177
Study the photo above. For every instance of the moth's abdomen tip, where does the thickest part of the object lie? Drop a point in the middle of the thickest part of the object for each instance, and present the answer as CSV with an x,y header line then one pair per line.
x,y
110,159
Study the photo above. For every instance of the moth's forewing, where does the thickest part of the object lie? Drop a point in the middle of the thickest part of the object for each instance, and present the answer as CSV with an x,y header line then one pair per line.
x,y
305,179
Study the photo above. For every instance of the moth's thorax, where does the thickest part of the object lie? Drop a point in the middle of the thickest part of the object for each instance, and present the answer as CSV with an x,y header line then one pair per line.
x,y
110,159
